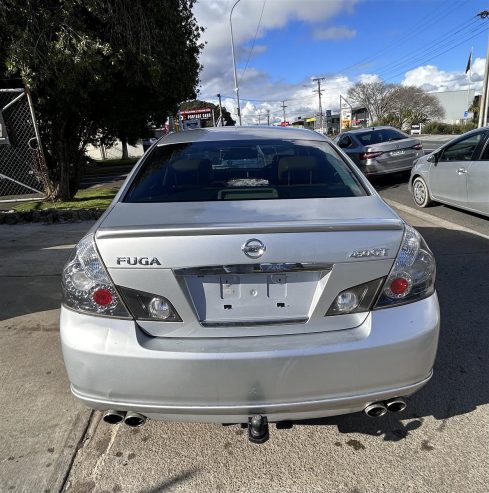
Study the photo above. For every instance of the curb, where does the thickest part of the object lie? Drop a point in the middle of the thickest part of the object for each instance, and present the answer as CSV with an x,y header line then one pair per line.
x,y
442,223
50,216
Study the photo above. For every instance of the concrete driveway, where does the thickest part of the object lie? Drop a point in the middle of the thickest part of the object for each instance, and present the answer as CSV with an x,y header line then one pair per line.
x,y
439,444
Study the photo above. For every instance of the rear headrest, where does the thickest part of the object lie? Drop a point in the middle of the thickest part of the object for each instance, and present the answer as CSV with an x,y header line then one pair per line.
x,y
189,164
300,164
187,172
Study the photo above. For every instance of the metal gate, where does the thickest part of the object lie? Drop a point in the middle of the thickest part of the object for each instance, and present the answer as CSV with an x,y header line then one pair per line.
x,y
23,171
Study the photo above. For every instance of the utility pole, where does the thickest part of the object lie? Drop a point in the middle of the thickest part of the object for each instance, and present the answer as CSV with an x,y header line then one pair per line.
x,y
220,110
268,117
483,104
318,90
283,108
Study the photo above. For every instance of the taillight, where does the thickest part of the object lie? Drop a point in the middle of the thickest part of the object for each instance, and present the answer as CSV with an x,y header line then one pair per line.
x,y
148,306
412,276
418,147
356,299
86,284
370,155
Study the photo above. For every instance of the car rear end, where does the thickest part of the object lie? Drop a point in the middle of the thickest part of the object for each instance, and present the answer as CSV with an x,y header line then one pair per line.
x,y
387,151
287,289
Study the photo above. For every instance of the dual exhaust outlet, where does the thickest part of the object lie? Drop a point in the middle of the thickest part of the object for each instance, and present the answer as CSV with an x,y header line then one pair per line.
x,y
258,427
377,409
130,418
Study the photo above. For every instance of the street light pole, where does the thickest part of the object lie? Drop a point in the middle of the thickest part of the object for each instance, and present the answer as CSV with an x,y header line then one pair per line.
x,y
236,88
483,102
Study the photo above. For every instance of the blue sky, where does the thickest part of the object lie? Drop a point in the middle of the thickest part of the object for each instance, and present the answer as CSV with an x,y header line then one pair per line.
x,y
419,42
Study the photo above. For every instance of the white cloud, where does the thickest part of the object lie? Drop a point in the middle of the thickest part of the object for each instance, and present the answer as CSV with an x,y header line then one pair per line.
x,y
431,78
217,74
334,33
367,78
300,100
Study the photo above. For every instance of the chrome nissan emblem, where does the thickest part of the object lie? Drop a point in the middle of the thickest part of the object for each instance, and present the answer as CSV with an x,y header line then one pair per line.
x,y
253,248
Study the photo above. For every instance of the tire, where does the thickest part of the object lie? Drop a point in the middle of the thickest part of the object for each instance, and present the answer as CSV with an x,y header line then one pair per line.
x,y
421,193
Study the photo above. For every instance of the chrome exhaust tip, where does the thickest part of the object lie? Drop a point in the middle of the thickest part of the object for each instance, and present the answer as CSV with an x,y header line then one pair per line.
x,y
113,417
375,410
134,419
396,405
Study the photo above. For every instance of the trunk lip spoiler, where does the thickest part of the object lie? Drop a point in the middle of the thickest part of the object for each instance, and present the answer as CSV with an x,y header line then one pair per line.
x,y
248,228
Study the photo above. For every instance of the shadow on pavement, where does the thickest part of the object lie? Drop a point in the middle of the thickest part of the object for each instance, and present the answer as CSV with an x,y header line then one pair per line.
x,y
32,258
173,481
392,180
460,381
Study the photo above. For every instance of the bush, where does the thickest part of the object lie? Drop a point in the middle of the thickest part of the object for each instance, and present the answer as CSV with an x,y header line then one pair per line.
x,y
439,128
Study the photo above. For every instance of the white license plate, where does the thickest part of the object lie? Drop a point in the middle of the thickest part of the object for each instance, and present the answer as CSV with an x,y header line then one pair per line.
x,y
397,153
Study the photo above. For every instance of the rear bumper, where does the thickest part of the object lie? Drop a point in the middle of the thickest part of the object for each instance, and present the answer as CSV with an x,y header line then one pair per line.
x,y
113,364
374,167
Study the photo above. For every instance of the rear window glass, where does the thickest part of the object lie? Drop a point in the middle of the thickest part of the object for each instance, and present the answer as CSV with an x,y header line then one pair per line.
x,y
379,136
243,170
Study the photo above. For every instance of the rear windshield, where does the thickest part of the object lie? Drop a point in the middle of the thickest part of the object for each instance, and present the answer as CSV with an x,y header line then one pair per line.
x,y
243,170
379,136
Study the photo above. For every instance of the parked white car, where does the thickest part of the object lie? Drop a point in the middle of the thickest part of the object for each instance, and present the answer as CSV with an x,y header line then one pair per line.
x,y
456,174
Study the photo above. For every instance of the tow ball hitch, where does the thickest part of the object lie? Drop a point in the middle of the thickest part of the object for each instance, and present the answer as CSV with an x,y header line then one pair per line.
x,y
258,429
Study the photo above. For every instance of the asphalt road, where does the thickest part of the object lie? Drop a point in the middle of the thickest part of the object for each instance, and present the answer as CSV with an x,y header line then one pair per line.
x,y
50,442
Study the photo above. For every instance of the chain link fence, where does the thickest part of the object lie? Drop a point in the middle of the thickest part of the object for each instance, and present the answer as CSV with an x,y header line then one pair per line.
x,y
23,172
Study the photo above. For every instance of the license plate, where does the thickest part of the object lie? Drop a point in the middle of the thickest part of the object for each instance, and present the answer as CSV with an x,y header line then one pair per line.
x,y
260,296
397,153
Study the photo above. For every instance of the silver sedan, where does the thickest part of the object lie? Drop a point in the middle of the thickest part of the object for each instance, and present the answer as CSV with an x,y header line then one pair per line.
x,y
246,275
380,150
456,174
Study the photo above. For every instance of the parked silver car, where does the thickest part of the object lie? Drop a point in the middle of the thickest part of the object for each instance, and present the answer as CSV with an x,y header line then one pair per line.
x,y
247,275
380,150
456,174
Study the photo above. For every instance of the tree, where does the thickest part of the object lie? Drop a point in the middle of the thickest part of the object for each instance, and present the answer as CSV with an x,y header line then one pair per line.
x,y
199,105
98,68
397,105
475,108
373,96
409,104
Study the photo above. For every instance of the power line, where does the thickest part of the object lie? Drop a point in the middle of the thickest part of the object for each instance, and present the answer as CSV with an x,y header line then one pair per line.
x,y
428,20
254,40
436,55
433,48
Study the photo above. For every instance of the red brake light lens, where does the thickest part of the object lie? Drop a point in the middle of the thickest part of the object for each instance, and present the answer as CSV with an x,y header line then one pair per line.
x,y
399,285
370,155
102,297
418,147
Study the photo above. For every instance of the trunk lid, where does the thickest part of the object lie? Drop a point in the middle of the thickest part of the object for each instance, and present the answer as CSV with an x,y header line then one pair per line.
x,y
219,291
399,152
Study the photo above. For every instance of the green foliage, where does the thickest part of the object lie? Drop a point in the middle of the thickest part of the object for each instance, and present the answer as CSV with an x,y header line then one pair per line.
x,y
439,128
98,69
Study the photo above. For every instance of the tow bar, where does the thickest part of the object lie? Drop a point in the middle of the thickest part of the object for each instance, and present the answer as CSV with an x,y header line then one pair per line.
x,y
258,429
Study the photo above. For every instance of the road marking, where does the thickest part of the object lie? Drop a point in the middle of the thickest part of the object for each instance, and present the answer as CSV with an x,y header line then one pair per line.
x,y
433,219
60,247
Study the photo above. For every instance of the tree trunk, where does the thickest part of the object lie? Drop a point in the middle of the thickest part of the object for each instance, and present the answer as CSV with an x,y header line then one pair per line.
x,y
65,165
125,152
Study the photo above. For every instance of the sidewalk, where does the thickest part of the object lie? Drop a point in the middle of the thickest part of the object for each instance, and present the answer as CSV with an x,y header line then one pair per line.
x,y
42,425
